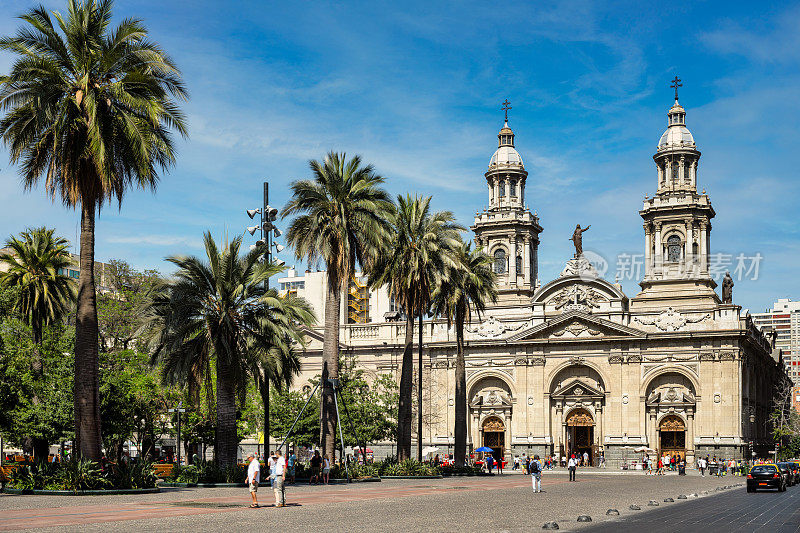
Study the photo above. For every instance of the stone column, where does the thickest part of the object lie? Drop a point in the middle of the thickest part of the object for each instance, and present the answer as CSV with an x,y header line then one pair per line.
x,y
496,186
526,260
522,192
693,168
687,248
689,436
648,246
651,429
659,248
703,248
512,261
681,172
598,411
660,174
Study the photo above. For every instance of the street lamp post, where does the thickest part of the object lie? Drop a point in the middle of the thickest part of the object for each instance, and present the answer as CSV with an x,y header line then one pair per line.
x,y
178,410
268,215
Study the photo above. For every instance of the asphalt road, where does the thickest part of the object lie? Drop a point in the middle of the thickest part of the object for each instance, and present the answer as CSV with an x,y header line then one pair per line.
x,y
730,512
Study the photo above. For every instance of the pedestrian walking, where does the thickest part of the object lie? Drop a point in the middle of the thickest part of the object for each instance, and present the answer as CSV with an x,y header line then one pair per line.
x,y
701,465
572,465
279,479
253,476
316,464
500,465
535,468
326,469
291,463
585,458
271,468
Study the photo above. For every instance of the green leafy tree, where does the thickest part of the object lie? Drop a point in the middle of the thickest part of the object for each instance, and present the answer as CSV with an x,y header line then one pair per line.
x,y
133,400
219,311
468,285
284,407
118,309
35,266
90,108
412,261
343,218
35,404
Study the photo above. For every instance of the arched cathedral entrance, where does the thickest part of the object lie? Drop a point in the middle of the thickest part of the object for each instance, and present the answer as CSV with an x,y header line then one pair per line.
x,y
672,437
580,434
494,436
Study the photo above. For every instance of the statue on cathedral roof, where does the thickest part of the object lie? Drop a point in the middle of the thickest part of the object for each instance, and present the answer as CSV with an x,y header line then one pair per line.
x,y
577,239
727,289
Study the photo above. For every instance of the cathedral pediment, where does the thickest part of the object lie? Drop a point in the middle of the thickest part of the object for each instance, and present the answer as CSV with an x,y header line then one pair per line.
x,y
576,325
577,389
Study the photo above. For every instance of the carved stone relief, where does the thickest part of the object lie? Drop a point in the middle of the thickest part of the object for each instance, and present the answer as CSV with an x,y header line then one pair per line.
x,y
670,320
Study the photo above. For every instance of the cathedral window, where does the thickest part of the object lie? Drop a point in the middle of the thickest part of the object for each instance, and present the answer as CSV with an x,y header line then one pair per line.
x,y
502,188
512,187
519,265
500,261
674,172
674,249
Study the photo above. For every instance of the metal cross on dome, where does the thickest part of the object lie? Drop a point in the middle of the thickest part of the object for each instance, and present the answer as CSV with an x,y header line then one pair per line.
x,y
676,82
506,107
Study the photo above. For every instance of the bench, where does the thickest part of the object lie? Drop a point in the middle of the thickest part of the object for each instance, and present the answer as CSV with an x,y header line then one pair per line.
x,y
163,470
5,472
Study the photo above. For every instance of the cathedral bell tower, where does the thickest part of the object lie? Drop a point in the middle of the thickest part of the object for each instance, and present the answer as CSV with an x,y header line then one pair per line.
x,y
677,223
506,230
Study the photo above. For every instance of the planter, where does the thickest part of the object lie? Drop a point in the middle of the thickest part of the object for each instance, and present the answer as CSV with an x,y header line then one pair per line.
x,y
171,484
99,492
462,474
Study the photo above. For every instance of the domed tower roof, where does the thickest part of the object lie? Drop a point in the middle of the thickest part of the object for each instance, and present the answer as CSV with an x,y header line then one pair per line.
x,y
506,154
677,134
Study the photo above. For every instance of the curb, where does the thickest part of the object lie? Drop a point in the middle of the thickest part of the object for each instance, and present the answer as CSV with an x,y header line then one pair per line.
x,y
411,477
100,492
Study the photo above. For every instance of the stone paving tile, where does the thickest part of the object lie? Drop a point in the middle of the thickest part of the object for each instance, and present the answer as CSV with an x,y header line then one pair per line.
x,y
455,504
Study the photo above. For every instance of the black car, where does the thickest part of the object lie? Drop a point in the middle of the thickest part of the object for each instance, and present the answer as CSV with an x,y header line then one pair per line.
x,y
788,472
765,477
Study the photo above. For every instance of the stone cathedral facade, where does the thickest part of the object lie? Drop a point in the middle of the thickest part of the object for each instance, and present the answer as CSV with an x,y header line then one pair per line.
x,y
573,363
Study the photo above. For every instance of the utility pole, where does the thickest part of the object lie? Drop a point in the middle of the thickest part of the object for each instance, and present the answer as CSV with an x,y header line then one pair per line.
x,y
178,410
268,216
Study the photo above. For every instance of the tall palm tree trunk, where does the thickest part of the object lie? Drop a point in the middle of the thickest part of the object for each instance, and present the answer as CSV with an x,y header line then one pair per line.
x,y
226,438
41,448
330,365
404,414
87,374
460,430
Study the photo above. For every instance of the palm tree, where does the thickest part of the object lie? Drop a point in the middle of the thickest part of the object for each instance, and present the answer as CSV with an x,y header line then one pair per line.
x,y
467,285
419,252
36,264
343,218
219,312
90,109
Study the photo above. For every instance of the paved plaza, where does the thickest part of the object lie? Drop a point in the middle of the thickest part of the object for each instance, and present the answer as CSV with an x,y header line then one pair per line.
x,y
497,503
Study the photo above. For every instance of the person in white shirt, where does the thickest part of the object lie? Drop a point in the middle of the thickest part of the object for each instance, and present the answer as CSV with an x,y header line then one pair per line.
x,y
271,468
253,477
279,477
572,465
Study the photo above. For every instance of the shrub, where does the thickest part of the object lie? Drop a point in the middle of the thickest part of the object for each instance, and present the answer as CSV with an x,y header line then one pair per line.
x,y
132,475
82,474
186,474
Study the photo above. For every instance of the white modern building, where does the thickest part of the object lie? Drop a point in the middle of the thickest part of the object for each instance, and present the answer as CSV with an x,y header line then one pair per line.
x,y
784,320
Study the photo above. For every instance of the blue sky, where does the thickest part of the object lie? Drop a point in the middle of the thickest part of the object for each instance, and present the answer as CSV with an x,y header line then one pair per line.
x,y
415,88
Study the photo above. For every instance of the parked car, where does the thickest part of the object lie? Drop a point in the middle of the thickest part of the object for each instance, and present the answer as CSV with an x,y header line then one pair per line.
x,y
787,472
766,476
796,468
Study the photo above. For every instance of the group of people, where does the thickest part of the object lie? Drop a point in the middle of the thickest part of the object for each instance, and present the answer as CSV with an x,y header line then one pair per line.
x,y
277,466
658,466
282,470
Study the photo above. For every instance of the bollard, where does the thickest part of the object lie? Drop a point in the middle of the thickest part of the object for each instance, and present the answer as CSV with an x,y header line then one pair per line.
x,y
584,518
653,503
682,496
611,512
635,508
668,500
550,525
